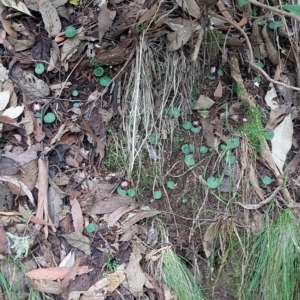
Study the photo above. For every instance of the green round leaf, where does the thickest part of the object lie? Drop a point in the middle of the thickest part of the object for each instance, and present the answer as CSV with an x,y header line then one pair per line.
x,y
38,115
75,93
196,129
121,192
39,68
49,118
187,125
257,79
211,77
152,138
171,185
76,104
98,71
184,200
174,112
105,80
220,72
90,227
293,8
189,160
213,182
157,195
224,147
131,192
275,25
122,37
203,149
181,139
70,31
187,148
267,180
241,3
260,64
230,159
233,143
109,129
269,135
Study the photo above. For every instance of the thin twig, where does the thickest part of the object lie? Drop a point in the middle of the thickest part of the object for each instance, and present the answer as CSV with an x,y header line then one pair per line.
x,y
275,10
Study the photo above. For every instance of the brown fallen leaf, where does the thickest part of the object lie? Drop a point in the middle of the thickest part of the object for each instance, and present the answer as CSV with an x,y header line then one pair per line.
x,y
140,216
105,203
100,145
47,286
255,184
203,102
72,272
8,166
181,35
149,13
3,241
134,273
76,214
117,214
54,273
115,55
105,19
219,90
28,175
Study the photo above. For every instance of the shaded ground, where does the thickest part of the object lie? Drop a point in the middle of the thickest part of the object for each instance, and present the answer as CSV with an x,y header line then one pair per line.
x,y
174,155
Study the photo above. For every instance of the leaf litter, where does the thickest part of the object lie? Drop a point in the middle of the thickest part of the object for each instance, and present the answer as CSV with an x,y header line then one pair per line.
x,y
59,180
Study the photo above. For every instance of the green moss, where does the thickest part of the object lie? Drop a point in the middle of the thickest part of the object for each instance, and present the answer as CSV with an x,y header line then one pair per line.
x,y
114,159
238,89
253,126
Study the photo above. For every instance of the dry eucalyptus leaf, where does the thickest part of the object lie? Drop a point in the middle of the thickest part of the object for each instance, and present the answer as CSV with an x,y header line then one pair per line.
x,y
34,89
259,49
41,50
54,205
99,290
254,183
180,37
276,116
8,166
21,185
76,214
13,112
25,157
219,90
70,46
33,5
17,5
270,49
134,273
105,19
106,203
190,6
210,234
21,44
271,97
50,18
28,176
4,96
282,141
78,240
203,102
3,73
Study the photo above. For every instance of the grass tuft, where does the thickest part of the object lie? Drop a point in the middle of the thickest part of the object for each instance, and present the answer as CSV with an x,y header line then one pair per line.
x,y
274,261
179,278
